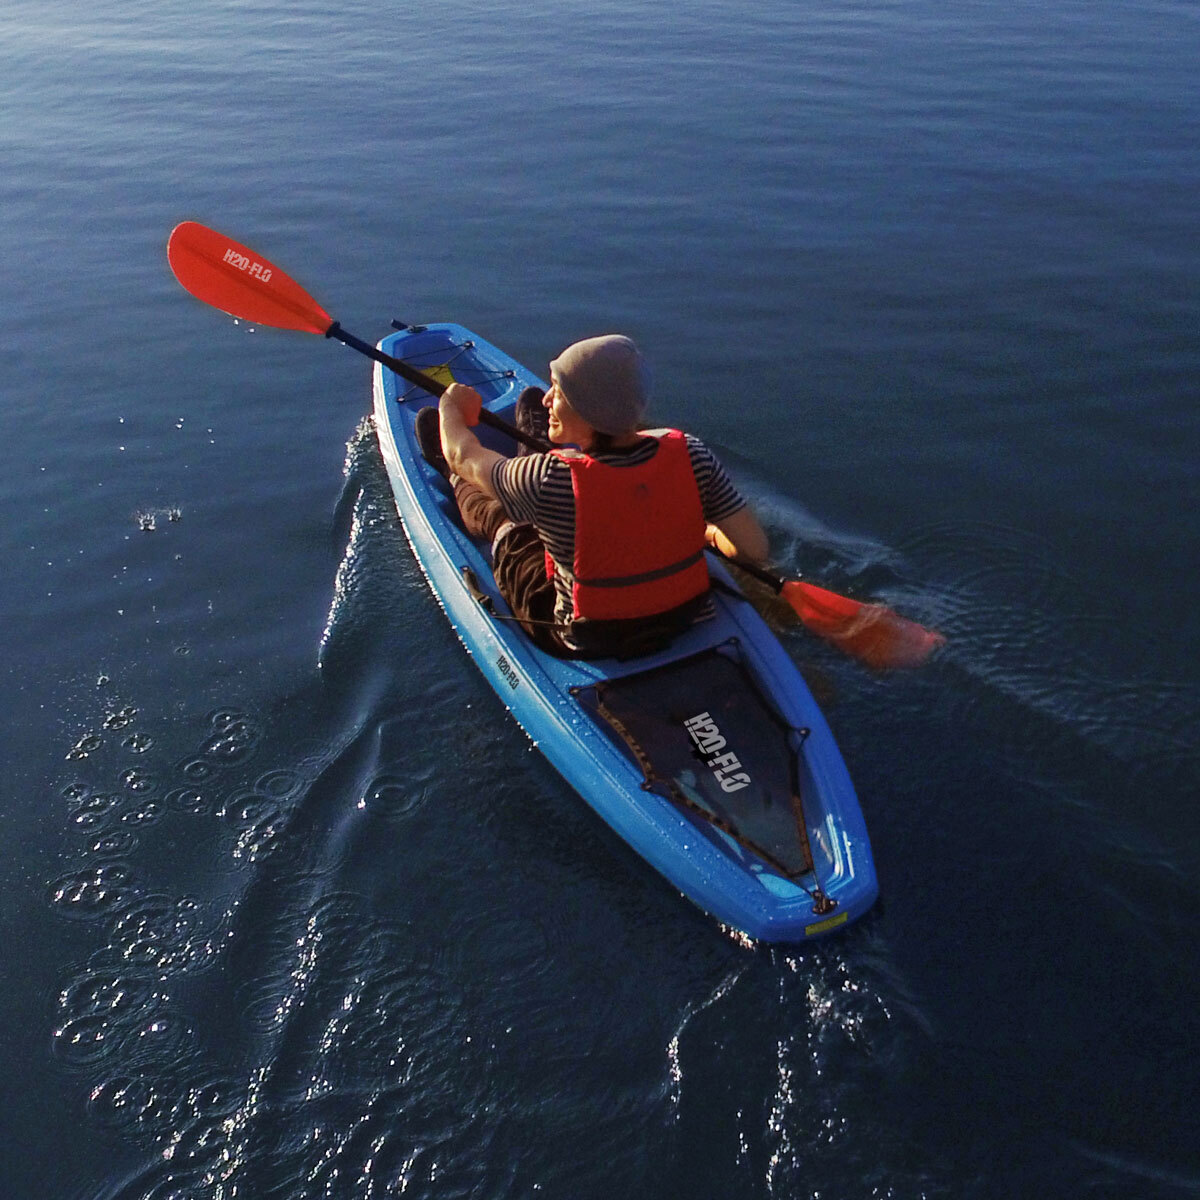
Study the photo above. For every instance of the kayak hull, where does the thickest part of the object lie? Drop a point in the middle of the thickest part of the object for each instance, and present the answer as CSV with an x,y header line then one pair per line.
x,y
702,858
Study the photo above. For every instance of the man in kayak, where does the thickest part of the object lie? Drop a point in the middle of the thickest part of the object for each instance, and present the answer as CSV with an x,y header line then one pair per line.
x,y
598,547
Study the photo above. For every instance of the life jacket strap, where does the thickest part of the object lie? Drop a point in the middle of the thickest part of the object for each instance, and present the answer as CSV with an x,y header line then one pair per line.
x,y
618,581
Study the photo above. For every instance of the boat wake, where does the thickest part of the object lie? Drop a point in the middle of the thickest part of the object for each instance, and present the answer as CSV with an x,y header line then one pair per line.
x,y
817,1042
1032,669
367,525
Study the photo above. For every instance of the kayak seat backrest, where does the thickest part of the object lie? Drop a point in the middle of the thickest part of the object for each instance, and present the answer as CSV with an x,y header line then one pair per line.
x,y
637,638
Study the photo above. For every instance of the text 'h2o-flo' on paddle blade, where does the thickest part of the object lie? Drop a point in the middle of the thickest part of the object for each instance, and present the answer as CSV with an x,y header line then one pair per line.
x,y
239,281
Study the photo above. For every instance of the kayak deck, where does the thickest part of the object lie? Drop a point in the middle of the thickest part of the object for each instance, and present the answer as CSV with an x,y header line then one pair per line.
x,y
710,758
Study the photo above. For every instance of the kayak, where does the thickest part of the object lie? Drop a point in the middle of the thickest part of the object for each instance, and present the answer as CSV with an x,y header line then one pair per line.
x,y
710,757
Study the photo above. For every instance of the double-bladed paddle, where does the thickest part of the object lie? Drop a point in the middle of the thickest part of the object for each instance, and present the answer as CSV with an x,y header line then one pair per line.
x,y
240,282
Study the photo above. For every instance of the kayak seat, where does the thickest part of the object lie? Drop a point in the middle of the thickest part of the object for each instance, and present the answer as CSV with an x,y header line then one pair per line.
x,y
638,637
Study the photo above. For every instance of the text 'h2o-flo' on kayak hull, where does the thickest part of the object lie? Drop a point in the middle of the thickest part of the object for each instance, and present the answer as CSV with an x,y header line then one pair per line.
x,y
710,758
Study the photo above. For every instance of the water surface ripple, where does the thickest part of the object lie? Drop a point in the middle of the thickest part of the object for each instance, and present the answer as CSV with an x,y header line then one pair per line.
x,y
293,909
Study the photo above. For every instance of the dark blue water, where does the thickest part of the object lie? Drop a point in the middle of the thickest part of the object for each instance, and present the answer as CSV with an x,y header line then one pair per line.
x,y
290,908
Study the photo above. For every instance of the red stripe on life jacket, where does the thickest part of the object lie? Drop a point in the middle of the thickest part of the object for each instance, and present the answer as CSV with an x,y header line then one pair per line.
x,y
639,534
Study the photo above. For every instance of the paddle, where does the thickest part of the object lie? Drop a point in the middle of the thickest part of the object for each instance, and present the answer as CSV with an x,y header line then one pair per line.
x,y
870,632
239,281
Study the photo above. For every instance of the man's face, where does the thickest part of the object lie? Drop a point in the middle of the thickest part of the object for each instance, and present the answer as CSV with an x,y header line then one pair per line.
x,y
567,427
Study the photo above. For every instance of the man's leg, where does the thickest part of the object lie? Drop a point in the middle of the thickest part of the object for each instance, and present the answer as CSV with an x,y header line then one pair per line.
x,y
482,516
518,554
519,564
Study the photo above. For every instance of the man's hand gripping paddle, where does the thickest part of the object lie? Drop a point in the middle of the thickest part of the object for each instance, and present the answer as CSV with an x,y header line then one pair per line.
x,y
240,282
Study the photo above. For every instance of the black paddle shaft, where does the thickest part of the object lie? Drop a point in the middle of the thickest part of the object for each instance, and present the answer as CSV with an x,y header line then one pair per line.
x,y
428,383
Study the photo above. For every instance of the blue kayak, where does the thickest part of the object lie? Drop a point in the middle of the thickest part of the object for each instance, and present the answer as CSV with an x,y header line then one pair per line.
x,y
710,758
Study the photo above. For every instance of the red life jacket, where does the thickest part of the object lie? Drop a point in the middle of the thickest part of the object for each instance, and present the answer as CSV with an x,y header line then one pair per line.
x,y
639,533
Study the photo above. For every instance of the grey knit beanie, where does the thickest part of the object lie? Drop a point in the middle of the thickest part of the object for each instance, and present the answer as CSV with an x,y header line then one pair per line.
x,y
606,381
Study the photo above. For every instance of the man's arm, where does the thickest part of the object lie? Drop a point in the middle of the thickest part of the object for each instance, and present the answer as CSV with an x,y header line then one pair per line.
x,y
739,536
468,457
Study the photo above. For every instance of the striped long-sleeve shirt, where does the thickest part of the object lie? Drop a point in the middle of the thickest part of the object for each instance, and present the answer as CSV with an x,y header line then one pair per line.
x,y
537,488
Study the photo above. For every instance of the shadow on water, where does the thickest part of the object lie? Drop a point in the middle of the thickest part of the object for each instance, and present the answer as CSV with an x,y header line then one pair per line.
x,y
365,943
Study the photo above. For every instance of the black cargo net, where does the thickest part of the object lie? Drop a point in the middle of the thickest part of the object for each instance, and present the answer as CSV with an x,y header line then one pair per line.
x,y
448,362
706,737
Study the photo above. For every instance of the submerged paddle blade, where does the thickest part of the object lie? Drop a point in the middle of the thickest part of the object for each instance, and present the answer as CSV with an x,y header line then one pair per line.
x,y
871,633
239,281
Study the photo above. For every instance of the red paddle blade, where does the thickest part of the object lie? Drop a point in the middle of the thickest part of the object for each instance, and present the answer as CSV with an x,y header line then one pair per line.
x,y
871,633
239,281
